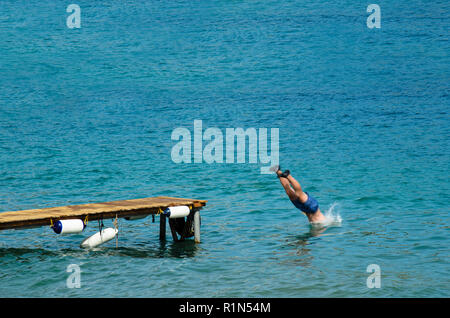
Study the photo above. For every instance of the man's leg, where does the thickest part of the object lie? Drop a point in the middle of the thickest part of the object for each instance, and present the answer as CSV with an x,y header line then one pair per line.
x,y
287,187
286,180
303,197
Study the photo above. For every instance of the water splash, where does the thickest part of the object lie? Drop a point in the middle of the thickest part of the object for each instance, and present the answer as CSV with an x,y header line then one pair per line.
x,y
332,217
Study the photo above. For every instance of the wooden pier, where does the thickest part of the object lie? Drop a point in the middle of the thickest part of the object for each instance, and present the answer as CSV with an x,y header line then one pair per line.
x,y
111,210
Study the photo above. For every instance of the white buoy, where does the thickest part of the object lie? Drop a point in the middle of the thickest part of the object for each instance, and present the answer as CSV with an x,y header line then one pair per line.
x,y
100,237
68,226
174,212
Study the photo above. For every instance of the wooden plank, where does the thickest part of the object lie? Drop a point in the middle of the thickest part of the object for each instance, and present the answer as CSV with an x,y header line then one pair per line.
x,y
93,211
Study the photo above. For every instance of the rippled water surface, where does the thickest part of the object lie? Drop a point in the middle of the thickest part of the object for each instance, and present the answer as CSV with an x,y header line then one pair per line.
x,y
86,115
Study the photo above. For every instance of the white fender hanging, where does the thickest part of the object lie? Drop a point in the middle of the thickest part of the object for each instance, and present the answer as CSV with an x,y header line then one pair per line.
x,y
68,226
177,211
100,237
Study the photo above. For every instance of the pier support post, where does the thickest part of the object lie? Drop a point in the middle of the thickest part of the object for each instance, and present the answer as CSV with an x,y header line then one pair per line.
x,y
162,227
173,230
197,227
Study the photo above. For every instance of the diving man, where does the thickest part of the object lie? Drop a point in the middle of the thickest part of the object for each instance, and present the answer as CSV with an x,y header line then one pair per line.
x,y
301,199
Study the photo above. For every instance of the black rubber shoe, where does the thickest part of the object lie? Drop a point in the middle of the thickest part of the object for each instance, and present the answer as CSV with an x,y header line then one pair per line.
x,y
285,174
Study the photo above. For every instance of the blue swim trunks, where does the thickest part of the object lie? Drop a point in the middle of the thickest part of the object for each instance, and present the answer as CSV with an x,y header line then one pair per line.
x,y
310,206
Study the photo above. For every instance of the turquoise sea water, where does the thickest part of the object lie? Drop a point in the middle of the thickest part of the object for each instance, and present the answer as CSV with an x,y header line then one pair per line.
x,y
86,115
